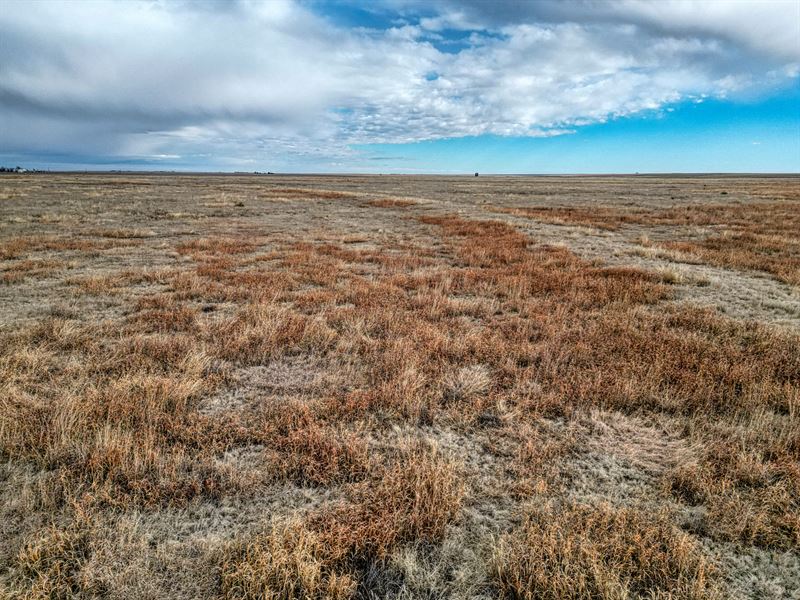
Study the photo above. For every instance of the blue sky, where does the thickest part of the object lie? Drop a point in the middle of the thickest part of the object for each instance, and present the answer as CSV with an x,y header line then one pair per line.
x,y
402,86
751,136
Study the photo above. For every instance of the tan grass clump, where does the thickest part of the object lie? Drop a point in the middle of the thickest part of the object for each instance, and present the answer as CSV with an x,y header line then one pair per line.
x,y
391,203
20,270
15,247
414,500
596,216
121,233
287,562
168,317
303,193
50,565
748,251
216,246
309,452
600,552
751,498
261,331
466,383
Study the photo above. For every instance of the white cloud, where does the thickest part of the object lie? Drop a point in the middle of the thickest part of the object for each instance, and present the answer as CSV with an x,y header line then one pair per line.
x,y
236,83
771,27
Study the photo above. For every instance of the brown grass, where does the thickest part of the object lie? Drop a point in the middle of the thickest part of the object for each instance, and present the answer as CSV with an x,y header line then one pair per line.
x,y
414,500
772,254
601,552
751,497
22,269
302,193
216,246
594,347
261,331
775,217
51,564
172,317
287,562
600,217
120,233
309,452
99,285
758,236
16,247
106,421
391,203
324,556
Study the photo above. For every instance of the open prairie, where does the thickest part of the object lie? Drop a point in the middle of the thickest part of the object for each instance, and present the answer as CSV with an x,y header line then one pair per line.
x,y
399,387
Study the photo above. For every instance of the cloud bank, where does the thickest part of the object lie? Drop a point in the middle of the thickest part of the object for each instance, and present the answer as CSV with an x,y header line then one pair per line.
x,y
246,85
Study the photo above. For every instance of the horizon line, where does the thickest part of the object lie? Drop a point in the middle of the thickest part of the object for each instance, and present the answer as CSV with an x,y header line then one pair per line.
x,y
34,171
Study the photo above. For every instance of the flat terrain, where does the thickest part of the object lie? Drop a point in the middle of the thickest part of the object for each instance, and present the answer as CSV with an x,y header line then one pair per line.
x,y
399,387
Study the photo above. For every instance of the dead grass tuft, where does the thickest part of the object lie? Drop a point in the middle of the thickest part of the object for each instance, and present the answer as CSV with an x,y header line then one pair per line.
x,y
302,193
467,383
121,233
310,453
391,203
751,498
772,254
20,270
15,247
287,562
216,246
171,317
414,499
600,217
601,552
51,564
98,285
262,331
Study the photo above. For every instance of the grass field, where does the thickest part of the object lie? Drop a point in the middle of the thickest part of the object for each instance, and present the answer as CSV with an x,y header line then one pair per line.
x,y
399,387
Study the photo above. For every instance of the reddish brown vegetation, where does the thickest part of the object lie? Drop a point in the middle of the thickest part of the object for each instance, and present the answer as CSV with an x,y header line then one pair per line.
x,y
300,193
760,236
16,247
18,271
216,246
391,203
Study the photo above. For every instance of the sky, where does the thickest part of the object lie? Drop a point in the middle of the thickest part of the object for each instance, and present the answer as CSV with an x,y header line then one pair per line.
x,y
401,86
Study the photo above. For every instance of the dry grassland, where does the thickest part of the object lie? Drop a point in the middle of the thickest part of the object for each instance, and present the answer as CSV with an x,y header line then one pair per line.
x,y
761,237
399,387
